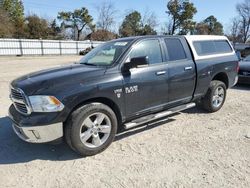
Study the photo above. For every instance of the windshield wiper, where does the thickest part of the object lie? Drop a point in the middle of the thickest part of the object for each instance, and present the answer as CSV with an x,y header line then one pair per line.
x,y
90,64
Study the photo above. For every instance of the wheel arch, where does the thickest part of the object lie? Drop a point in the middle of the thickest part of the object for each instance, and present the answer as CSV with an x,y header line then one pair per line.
x,y
222,76
110,103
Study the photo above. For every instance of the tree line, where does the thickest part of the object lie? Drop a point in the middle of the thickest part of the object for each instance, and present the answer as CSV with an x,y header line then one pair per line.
x,y
79,24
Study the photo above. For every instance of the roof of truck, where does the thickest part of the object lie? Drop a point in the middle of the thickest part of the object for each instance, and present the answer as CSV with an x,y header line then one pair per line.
x,y
204,37
149,36
188,37
190,40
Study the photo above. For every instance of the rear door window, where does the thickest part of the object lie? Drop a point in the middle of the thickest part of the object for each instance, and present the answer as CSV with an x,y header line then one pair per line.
x,y
175,49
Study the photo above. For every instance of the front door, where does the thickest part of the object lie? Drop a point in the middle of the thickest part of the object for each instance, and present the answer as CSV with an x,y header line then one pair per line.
x,y
146,88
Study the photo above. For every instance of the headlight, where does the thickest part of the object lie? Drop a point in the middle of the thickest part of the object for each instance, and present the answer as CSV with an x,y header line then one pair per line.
x,y
42,103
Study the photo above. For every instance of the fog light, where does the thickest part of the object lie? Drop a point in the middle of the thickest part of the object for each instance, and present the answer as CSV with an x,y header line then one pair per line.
x,y
36,134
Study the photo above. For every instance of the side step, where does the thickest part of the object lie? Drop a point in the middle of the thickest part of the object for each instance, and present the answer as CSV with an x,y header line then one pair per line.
x,y
159,115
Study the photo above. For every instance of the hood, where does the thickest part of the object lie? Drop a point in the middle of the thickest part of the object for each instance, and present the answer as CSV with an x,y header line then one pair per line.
x,y
245,65
40,81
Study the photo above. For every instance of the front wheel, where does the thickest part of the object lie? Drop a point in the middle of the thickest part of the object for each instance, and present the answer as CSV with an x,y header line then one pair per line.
x,y
215,96
91,129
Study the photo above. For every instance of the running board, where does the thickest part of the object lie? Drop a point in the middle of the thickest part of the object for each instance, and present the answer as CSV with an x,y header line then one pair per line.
x,y
159,115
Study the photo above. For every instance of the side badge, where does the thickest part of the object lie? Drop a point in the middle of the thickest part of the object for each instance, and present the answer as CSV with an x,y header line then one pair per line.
x,y
118,93
132,89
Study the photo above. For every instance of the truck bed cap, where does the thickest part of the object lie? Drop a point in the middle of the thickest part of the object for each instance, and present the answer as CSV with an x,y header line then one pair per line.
x,y
194,38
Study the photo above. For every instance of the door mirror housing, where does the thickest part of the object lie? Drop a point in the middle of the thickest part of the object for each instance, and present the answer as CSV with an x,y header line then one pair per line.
x,y
135,62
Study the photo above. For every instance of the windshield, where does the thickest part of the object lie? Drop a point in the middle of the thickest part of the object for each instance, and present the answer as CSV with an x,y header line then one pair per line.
x,y
247,58
105,54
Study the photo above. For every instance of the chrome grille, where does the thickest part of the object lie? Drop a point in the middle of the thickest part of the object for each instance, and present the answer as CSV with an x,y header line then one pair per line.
x,y
21,107
16,94
19,101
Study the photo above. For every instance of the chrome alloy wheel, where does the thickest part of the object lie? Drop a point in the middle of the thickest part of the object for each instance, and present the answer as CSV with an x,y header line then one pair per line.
x,y
218,97
95,130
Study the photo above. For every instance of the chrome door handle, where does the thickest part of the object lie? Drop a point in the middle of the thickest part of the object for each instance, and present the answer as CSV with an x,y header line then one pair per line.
x,y
188,68
160,73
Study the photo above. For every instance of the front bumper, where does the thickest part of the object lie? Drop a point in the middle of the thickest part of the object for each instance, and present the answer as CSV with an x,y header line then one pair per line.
x,y
39,134
36,128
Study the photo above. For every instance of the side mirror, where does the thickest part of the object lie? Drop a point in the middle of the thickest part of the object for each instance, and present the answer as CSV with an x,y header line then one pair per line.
x,y
135,62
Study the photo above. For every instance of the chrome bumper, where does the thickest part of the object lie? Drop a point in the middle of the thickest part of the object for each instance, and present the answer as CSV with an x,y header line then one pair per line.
x,y
39,134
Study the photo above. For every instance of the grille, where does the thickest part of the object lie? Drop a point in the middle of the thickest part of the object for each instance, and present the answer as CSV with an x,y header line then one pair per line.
x,y
16,94
21,107
19,101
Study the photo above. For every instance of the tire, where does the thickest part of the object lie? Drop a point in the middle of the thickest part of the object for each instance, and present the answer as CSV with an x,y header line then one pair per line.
x,y
217,91
91,129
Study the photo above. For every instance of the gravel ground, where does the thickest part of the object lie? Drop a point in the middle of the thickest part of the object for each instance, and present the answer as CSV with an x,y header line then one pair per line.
x,y
190,149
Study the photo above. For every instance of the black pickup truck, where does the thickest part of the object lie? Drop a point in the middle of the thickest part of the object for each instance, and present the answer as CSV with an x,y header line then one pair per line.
x,y
122,83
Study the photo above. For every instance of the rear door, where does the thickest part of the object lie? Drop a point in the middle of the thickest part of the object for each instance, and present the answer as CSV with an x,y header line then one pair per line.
x,y
181,71
146,87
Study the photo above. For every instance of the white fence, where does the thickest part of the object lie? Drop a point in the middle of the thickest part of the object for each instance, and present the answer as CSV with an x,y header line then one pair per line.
x,y
19,47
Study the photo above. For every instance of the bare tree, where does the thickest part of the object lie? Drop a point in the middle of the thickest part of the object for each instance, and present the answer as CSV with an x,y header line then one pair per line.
x,y
107,14
243,10
149,18
166,28
235,30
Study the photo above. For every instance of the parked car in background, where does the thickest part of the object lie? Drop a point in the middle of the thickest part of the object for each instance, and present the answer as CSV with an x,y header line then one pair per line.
x,y
85,51
244,72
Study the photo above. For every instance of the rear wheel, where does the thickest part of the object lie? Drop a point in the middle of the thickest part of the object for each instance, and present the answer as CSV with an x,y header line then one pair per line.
x,y
91,129
215,96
